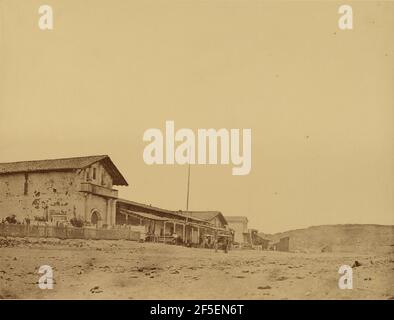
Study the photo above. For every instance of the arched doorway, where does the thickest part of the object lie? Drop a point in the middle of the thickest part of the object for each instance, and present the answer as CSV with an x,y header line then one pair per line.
x,y
95,218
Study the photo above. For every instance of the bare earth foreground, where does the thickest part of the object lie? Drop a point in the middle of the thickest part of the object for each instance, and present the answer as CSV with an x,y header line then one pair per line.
x,y
100,269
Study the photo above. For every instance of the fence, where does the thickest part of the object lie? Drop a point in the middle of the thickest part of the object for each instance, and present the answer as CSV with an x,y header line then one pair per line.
x,y
43,231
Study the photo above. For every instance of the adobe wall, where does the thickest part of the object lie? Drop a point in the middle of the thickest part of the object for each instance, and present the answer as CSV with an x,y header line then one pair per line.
x,y
40,195
55,196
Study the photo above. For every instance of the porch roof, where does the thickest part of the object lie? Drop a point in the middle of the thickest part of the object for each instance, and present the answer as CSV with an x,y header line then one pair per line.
x,y
144,215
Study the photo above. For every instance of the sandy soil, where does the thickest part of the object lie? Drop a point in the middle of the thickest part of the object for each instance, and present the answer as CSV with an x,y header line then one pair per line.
x,y
130,270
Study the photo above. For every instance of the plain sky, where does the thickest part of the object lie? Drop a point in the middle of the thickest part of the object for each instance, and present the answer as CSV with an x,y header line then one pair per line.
x,y
319,100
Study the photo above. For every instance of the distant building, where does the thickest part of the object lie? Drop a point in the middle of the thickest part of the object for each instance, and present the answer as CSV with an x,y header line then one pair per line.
x,y
240,226
256,240
282,245
265,244
60,189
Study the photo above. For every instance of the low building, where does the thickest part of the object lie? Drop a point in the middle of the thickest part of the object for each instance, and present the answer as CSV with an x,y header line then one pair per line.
x,y
221,232
61,189
239,225
265,243
282,245
161,224
257,240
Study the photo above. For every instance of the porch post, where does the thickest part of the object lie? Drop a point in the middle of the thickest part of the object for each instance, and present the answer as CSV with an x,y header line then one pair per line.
x,y
108,213
112,211
164,231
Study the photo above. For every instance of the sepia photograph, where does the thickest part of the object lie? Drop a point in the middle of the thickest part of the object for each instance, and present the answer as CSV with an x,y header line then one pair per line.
x,y
170,150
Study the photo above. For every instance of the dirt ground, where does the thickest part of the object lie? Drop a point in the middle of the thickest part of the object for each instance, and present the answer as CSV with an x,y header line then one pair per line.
x,y
100,269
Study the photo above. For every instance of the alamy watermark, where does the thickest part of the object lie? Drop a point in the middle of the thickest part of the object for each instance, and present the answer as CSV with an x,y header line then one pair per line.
x,y
45,21
345,21
346,279
184,146
46,280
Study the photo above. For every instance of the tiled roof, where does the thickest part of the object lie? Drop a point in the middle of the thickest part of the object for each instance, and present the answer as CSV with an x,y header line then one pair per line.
x,y
63,164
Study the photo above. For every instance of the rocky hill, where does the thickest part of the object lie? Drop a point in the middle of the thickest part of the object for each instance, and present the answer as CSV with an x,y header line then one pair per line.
x,y
339,238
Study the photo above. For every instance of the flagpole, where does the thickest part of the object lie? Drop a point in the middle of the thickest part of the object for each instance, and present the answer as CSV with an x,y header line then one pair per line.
x,y
188,187
188,183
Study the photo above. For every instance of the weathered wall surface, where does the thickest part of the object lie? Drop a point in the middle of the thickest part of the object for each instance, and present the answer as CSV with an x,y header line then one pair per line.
x,y
239,229
97,174
56,195
39,195
105,208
